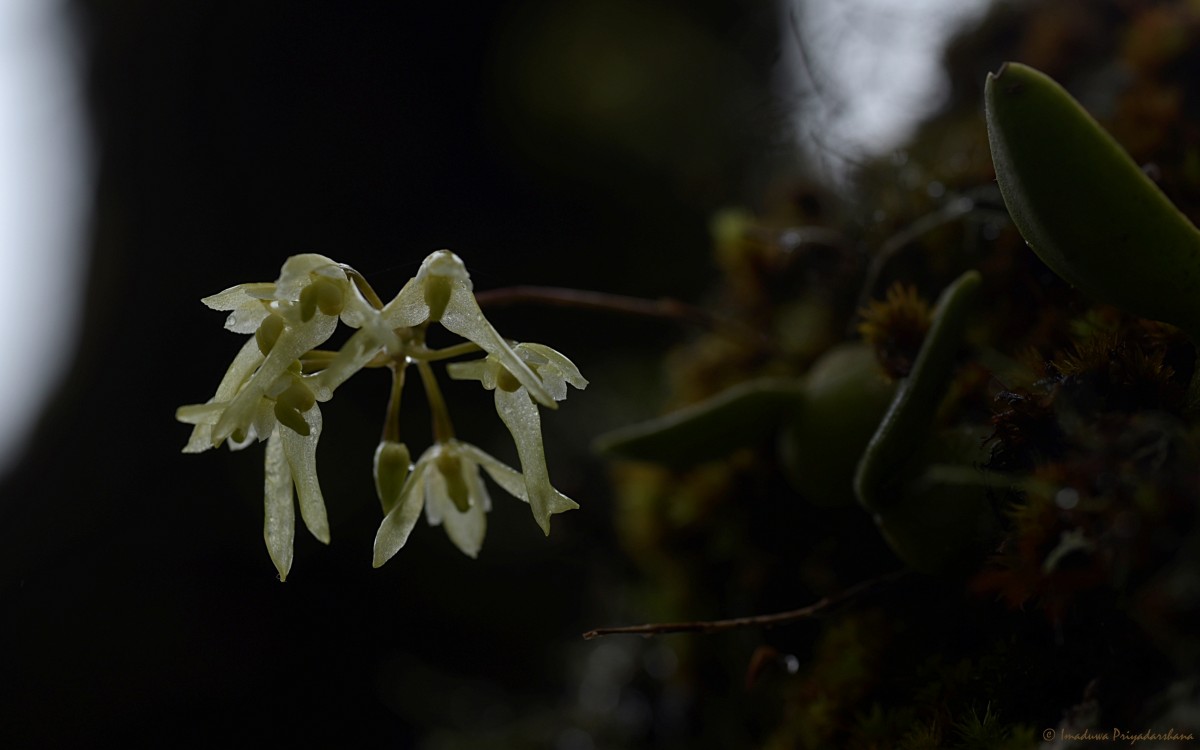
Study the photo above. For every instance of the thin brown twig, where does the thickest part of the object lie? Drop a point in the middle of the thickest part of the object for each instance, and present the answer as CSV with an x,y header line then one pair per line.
x,y
664,308
823,606
562,297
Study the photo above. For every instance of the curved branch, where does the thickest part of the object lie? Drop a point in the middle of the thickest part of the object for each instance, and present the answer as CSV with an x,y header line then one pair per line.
x,y
664,308
823,606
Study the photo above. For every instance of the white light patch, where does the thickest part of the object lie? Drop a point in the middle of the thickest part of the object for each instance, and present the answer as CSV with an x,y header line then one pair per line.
x,y
45,174
863,73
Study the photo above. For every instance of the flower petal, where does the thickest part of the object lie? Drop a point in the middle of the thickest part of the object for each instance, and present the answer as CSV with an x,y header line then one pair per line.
x,y
301,452
556,371
464,317
511,480
247,359
247,304
206,413
262,426
407,308
358,350
467,528
399,522
295,274
521,417
279,515
410,304
359,313
437,497
240,295
291,344
482,370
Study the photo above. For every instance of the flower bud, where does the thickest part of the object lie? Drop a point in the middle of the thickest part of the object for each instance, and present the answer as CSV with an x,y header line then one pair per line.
x,y
392,466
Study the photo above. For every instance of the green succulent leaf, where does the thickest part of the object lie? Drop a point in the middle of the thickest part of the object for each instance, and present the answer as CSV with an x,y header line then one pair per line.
x,y
846,395
1084,206
906,426
737,417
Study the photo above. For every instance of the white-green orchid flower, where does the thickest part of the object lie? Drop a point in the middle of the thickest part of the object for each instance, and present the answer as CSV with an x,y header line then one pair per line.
x,y
288,418
520,415
446,482
291,462
441,293
263,396
296,314
374,335
267,395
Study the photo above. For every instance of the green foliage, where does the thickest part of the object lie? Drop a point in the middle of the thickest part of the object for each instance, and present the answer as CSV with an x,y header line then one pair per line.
x,y
1085,207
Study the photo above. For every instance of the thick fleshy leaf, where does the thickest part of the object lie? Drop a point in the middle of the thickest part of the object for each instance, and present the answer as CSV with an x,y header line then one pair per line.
x,y
737,417
1085,206
301,452
279,516
906,426
521,417
399,522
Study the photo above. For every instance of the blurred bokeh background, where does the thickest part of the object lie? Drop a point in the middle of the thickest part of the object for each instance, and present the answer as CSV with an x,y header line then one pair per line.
x,y
157,152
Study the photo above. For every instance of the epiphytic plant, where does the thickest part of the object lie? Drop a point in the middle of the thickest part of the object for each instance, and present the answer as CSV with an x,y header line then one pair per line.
x,y
846,433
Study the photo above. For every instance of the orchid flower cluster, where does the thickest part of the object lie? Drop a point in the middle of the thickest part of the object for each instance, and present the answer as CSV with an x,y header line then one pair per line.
x,y
273,390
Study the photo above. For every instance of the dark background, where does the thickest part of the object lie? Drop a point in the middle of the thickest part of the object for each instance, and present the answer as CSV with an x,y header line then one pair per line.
x,y
137,601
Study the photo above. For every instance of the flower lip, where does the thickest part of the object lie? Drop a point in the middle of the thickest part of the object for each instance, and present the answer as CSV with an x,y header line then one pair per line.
x,y
426,488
